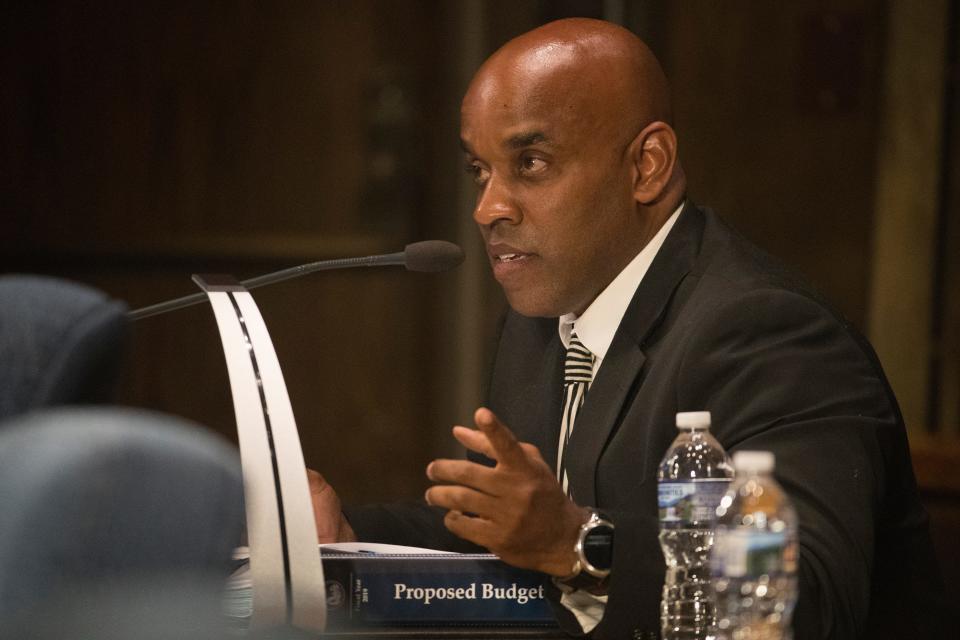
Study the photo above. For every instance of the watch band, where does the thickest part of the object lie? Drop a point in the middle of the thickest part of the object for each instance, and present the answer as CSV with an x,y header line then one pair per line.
x,y
597,531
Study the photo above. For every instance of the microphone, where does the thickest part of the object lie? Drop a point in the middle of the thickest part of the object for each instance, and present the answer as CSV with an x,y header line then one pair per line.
x,y
429,256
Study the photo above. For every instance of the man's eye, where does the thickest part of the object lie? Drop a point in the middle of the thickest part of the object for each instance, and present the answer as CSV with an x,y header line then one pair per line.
x,y
531,164
478,173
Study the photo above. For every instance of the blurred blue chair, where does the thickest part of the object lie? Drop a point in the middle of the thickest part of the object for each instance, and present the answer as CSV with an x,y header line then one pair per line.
x,y
60,343
108,515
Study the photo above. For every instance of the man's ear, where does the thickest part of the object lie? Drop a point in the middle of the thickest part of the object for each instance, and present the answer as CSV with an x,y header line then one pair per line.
x,y
653,154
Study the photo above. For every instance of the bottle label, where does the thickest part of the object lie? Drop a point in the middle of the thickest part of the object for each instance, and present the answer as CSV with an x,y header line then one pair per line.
x,y
690,502
748,553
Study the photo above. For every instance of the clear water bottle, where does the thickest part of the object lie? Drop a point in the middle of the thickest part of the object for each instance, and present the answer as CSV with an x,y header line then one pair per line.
x,y
692,478
754,557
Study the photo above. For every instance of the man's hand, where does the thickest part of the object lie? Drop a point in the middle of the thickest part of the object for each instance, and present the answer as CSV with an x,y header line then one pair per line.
x,y
331,525
516,509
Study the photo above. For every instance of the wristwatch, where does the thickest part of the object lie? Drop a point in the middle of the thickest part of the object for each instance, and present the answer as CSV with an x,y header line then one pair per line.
x,y
594,551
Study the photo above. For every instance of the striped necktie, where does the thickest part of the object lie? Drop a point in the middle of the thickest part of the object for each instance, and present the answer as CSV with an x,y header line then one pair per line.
x,y
577,374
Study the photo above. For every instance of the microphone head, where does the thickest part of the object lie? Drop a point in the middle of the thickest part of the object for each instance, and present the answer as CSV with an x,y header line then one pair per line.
x,y
432,256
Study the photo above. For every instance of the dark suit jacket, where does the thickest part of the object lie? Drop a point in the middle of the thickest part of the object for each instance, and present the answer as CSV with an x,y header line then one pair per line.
x,y
717,325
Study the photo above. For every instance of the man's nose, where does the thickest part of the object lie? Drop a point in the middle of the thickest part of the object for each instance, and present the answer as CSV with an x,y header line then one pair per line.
x,y
496,203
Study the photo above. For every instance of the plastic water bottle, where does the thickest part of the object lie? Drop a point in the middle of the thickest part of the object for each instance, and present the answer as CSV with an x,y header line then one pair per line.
x,y
692,478
754,558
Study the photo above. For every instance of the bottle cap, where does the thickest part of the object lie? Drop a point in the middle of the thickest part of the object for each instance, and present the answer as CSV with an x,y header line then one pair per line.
x,y
753,461
693,420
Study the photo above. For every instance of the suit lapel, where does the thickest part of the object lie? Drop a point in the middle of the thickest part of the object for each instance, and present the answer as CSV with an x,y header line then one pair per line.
x,y
552,410
530,403
607,399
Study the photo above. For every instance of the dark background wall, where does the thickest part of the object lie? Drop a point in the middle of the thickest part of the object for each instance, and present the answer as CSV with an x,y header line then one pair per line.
x,y
147,141
142,142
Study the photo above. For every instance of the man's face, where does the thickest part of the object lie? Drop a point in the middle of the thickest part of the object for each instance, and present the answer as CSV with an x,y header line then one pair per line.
x,y
554,202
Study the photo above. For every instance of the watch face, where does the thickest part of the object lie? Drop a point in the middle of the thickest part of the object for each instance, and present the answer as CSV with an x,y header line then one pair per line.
x,y
598,547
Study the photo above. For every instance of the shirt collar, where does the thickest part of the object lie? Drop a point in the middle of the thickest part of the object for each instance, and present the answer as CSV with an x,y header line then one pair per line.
x,y
598,324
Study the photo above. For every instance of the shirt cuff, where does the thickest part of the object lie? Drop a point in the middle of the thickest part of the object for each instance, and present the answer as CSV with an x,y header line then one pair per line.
x,y
586,607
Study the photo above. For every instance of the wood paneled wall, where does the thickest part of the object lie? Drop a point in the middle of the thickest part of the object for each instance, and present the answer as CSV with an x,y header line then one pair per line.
x,y
776,108
143,142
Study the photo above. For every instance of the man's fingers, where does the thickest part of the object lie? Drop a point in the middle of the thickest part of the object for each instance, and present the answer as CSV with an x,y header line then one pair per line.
x,y
476,530
474,440
491,438
328,519
532,453
461,499
316,481
463,472
503,443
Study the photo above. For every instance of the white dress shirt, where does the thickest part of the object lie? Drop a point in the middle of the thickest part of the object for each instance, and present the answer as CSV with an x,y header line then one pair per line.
x,y
596,328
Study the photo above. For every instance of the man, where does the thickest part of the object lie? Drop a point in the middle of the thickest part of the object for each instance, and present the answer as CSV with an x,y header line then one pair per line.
x,y
582,205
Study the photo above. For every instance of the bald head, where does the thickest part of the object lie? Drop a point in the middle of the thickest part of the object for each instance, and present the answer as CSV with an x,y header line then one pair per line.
x,y
566,129
596,68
